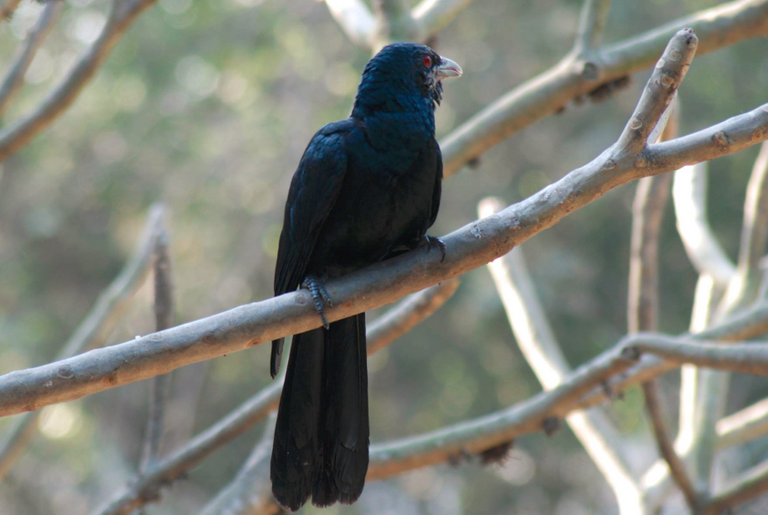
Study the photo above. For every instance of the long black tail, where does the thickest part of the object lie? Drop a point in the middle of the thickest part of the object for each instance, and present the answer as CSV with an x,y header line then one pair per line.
x,y
321,436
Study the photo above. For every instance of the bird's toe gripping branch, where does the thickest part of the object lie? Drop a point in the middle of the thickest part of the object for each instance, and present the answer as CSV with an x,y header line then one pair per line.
x,y
434,241
319,294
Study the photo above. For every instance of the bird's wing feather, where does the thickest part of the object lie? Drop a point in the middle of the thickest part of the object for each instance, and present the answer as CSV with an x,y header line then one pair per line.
x,y
436,192
313,192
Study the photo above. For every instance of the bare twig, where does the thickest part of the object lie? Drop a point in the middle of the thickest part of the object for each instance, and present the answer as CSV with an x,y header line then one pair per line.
x,y
164,315
35,37
591,24
474,436
712,386
382,332
707,256
93,330
19,133
412,310
755,228
643,299
747,358
542,352
748,486
550,91
744,425
468,248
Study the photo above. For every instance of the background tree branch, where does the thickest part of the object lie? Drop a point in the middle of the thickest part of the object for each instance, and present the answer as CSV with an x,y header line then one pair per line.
x,y
19,133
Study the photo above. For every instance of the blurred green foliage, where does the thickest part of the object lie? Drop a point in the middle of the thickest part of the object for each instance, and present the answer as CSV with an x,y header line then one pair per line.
x,y
207,106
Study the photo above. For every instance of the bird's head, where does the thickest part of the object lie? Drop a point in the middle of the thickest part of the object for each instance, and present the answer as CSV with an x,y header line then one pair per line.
x,y
404,70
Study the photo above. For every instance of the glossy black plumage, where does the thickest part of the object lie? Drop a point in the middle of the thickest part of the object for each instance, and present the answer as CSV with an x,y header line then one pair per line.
x,y
366,188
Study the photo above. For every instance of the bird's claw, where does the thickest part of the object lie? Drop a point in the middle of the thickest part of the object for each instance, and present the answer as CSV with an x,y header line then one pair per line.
x,y
431,241
319,294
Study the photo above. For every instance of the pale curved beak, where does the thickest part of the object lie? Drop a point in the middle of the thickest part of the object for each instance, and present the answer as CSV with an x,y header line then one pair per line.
x,y
447,69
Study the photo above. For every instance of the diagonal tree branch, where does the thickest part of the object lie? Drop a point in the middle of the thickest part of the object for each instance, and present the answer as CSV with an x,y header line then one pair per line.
x,y
37,34
386,329
744,425
542,352
468,248
93,330
19,133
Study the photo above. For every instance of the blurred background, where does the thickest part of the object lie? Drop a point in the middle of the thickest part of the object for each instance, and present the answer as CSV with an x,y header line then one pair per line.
x,y
207,106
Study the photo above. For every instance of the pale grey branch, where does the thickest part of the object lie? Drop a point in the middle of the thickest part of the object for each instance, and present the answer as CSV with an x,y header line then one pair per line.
x,y
20,132
14,77
382,332
93,330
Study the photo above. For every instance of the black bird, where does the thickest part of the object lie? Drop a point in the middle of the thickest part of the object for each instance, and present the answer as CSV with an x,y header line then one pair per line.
x,y
366,188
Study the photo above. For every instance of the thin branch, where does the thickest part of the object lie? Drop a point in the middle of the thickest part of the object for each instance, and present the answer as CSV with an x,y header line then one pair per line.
x,y
743,326
643,299
474,436
164,318
745,358
689,192
591,25
550,91
93,330
21,132
755,228
411,311
355,19
292,313
383,331
712,387
744,425
542,352
434,15
747,486
35,37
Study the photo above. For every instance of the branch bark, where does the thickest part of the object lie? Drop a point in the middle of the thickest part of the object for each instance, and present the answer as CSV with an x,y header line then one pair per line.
x,y
550,91
21,132
468,248
386,329
93,330
14,77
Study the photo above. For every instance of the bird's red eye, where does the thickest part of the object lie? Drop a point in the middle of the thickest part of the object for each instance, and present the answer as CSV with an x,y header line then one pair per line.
x,y
427,61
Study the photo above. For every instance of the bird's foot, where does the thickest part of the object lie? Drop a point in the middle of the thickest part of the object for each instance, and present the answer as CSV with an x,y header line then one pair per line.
x,y
319,294
434,241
